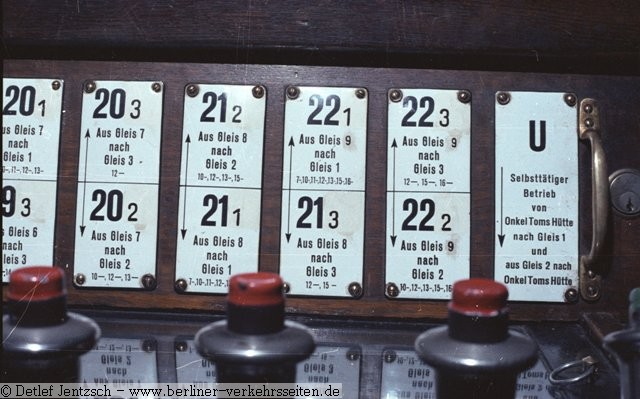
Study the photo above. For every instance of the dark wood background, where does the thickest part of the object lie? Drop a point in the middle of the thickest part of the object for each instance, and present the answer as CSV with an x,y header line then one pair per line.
x,y
590,36
588,48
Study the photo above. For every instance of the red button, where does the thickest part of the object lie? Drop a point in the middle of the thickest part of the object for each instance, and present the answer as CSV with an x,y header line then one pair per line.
x,y
36,283
255,289
479,297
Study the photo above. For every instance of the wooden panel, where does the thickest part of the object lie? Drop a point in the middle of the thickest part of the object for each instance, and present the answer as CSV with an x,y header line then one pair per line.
x,y
518,35
618,98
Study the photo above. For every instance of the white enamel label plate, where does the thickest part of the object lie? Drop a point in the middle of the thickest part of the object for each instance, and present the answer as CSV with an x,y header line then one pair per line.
x,y
31,112
220,185
428,195
118,178
536,196
323,181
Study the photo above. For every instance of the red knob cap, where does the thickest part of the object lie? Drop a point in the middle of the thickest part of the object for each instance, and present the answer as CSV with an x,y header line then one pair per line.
x,y
255,289
36,283
479,297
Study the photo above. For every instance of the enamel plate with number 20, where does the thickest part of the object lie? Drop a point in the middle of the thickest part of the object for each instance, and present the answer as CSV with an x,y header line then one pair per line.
x,y
118,179
31,112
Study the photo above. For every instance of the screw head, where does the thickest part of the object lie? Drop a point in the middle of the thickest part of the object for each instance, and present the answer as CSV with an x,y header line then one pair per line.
x,y
148,282
571,295
355,289
157,87
55,85
180,285
570,99
389,356
361,93
80,279
587,108
181,346
192,90
258,91
149,345
353,354
588,122
286,288
464,96
89,86
292,92
593,290
392,290
503,98
395,95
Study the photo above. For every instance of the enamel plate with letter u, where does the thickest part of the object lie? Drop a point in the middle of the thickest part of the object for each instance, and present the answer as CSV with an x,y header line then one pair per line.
x,y
536,195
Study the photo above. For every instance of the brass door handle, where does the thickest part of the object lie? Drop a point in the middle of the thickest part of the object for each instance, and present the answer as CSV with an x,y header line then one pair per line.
x,y
590,265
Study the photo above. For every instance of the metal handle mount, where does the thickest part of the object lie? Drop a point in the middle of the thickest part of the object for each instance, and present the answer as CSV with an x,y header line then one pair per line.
x,y
589,129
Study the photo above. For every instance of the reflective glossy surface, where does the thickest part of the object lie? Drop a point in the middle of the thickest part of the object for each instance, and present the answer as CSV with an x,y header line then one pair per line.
x,y
371,359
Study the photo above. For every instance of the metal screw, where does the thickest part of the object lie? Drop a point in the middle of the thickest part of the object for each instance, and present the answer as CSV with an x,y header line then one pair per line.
x,y
464,96
392,290
80,279
587,108
355,289
149,282
293,92
503,98
395,95
149,345
180,285
588,122
571,295
286,288
181,346
157,87
192,90
570,99
389,356
55,85
257,91
89,86
353,354
361,93
592,290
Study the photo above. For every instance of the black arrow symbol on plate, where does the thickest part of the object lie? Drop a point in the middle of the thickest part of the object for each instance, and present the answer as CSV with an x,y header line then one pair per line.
x,y
183,230
394,145
84,181
501,235
288,234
